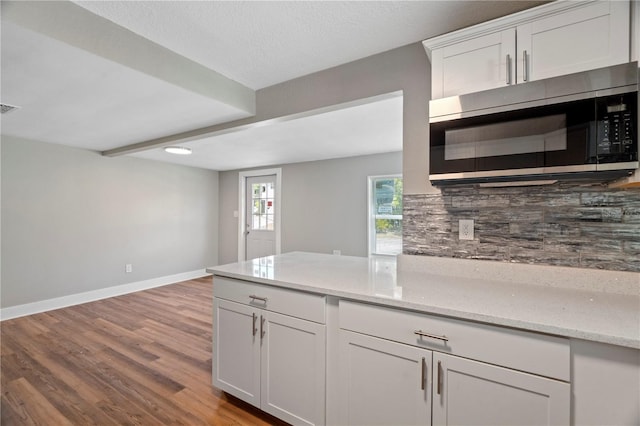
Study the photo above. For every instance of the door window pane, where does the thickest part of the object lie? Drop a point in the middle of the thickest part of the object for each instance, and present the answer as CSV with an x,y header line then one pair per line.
x,y
263,202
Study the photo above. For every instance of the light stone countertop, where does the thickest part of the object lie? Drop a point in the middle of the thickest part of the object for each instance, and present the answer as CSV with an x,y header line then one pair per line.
x,y
601,306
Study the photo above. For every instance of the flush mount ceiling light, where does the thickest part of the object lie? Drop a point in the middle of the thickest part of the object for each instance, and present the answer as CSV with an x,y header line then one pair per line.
x,y
180,150
5,108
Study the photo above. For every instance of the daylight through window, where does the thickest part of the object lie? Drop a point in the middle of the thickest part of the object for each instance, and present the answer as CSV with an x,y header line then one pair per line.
x,y
263,211
385,215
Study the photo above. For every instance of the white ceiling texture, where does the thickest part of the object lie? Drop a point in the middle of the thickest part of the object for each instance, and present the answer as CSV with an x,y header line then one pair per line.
x,y
102,75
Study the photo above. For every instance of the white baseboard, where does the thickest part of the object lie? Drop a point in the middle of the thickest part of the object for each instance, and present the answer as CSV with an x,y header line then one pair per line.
x,y
91,296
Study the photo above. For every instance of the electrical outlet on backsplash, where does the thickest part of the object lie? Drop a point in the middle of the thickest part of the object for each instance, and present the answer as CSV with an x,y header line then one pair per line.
x,y
577,225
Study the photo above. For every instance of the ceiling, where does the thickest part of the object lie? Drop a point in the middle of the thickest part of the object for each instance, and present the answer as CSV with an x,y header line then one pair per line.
x,y
101,75
370,128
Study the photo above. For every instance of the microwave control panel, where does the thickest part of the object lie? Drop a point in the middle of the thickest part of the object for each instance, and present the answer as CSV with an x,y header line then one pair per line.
x,y
616,138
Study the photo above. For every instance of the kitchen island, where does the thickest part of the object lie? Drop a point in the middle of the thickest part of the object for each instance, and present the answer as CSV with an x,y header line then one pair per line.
x,y
554,344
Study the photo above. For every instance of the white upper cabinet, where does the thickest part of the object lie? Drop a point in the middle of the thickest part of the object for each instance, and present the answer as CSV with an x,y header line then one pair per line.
x,y
550,40
589,37
480,63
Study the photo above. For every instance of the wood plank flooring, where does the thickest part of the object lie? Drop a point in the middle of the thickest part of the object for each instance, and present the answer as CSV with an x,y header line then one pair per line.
x,y
138,359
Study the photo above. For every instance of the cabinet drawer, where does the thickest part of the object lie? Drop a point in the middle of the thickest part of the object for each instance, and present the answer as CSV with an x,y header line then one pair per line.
x,y
521,350
289,302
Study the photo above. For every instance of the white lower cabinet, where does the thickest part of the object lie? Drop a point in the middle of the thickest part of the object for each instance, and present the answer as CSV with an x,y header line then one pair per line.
x,y
404,368
237,350
273,361
383,382
309,361
293,369
467,392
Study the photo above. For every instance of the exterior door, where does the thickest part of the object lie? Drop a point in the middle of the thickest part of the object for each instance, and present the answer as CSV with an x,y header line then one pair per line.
x,y
468,392
260,227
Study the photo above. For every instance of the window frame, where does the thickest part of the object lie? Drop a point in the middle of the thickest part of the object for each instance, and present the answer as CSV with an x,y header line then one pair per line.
x,y
372,216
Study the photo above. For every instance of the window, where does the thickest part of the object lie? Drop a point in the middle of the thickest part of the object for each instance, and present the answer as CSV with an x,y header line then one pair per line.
x,y
385,215
262,199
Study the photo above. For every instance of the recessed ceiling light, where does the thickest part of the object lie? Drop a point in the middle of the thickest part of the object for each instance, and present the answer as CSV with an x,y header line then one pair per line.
x,y
5,108
180,150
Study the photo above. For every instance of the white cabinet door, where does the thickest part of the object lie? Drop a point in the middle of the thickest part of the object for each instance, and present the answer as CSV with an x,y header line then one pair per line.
x,y
473,393
481,63
383,382
293,369
551,40
589,37
236,350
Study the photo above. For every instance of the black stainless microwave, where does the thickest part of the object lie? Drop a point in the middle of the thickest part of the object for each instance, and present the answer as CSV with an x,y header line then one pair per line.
x,y
580,126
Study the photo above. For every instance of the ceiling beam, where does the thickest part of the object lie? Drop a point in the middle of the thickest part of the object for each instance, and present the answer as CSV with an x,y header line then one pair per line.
x,y
239,125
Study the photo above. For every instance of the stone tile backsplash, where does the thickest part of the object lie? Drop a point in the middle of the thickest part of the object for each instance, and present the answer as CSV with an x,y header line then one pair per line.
x,y
585,226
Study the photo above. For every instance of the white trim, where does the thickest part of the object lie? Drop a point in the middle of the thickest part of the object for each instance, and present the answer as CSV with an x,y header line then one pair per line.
x,y
91,296
370,223
370,204
242,206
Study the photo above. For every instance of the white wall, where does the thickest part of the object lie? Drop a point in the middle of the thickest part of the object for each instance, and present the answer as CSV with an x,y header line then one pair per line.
x,y
324,205
72,219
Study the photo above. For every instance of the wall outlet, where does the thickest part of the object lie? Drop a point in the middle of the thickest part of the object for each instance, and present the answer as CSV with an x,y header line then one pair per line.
x,y
128,268
337,252
465,229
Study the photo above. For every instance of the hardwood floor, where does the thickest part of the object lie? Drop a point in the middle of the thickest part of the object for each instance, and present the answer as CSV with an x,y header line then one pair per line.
x,y
138,359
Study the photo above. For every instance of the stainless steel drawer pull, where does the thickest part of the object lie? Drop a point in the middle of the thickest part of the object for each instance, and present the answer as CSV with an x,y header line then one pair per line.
x,y
254,297
431,336
254,329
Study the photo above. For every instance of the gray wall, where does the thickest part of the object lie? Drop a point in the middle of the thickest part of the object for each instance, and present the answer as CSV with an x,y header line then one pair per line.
x,y
430,223
324,205
71,219
406,68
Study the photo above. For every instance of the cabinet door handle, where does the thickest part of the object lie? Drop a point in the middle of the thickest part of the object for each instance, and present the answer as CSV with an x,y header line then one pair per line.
x,y
262,320
525,66
439,381
423,376
508,69
253,298
431,336
254,329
